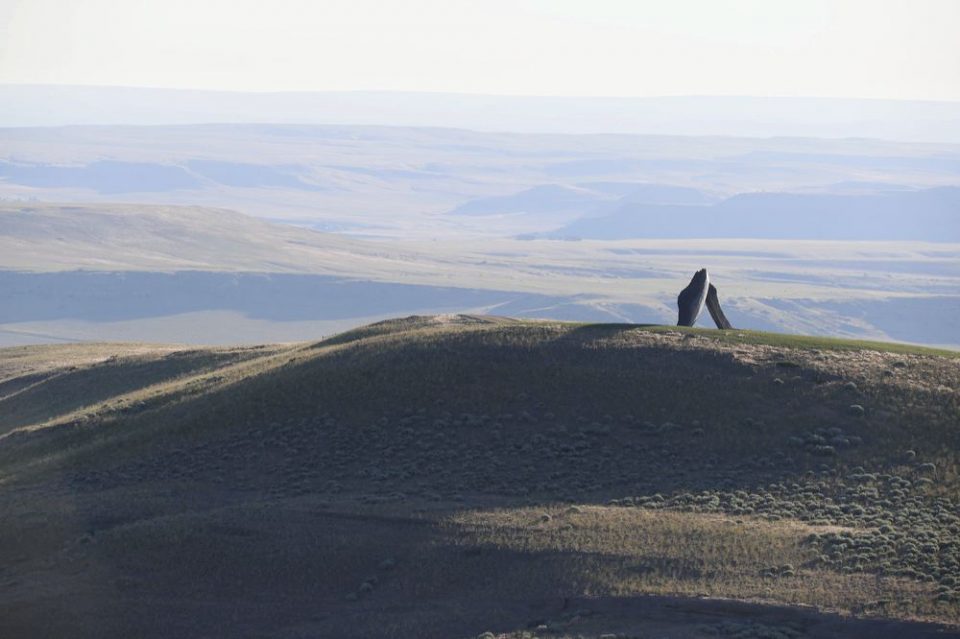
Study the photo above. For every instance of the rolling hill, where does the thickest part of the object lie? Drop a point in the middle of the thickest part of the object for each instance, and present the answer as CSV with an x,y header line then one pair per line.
x,y
448,476
929,215
398,181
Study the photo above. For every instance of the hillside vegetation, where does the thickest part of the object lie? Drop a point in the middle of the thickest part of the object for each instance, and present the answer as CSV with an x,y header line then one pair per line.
x,y
451,476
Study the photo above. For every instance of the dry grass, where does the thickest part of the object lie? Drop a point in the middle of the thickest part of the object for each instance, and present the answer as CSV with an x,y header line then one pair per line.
x,y
619,552
180,482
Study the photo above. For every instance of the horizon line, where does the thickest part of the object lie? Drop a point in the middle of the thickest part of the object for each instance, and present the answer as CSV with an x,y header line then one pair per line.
x,y
472,94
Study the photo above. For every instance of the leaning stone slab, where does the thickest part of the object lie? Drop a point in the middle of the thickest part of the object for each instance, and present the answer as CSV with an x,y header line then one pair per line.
x,y
691,301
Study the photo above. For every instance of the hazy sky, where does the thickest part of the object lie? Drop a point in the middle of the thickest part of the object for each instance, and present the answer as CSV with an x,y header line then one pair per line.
x,y
905,49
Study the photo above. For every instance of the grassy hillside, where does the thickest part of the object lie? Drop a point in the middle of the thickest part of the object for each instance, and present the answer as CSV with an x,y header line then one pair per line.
x,y
447,476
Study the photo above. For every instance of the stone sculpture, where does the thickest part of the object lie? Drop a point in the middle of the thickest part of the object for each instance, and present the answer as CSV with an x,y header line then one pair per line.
x,y
700,292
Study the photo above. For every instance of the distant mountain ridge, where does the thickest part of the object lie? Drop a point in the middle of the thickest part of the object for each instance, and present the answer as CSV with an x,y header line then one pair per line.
x,y
929,214
398,181
918,121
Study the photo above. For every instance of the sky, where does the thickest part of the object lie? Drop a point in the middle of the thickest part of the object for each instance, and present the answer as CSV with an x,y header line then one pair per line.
x,y
894,49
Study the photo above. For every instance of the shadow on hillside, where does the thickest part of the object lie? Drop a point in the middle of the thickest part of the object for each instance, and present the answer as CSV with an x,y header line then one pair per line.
x,y
174,563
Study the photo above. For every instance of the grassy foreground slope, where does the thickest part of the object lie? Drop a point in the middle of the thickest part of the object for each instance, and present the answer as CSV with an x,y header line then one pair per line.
x,y
449,476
